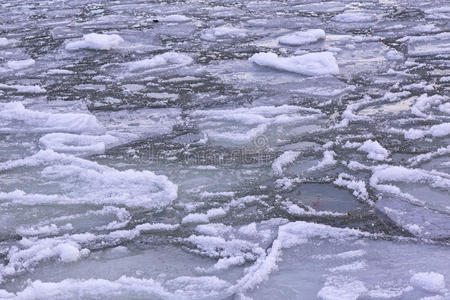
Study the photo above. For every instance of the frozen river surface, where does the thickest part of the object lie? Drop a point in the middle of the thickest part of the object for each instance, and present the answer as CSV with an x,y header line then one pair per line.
x,y
294,149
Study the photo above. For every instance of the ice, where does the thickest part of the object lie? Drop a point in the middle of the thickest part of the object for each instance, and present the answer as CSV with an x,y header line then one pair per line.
x,y
20,64
425,103
429,45
175,19
5,42
81,144
349,291
283,160
224,32
224,150
327,161
25,89
78,176
357,186
311,64
39,121
331,281
429,281
436,131
219,124
355,17
160,61
374,150
96,41
302,37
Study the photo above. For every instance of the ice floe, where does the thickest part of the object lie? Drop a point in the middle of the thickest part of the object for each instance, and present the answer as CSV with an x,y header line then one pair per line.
x,y
302,37
96,41
311,64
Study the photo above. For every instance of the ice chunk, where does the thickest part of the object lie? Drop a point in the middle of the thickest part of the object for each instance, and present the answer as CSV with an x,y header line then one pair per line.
x,y
20,64
96,41
327,160
374,150
429,44
312,64
160,60
5,42
302,37
38,121
436,130
254,122
357,186
74,143
204,218
425,103
92,288
429,281
283,160
347,291
355,17
175,19
84,181
25,89
223,32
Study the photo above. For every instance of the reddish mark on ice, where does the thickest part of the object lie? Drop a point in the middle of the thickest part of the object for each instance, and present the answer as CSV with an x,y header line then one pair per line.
x,y
315,203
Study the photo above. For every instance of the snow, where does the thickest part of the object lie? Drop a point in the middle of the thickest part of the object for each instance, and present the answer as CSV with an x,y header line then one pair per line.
x,y
68,252
425,102
311,64
357,186
429,281
283,160
96,41
204,218
302,37
435,130
327,160
374,150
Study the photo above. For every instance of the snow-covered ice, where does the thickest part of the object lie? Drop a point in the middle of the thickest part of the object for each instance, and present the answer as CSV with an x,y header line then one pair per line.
x,y
96,41
302,37
224,150
311,64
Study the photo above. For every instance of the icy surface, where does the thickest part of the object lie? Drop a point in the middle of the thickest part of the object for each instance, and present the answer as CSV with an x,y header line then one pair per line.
x,y
224,149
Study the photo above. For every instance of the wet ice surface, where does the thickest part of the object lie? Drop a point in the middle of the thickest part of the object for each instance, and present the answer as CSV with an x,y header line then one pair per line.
x,y
224,150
